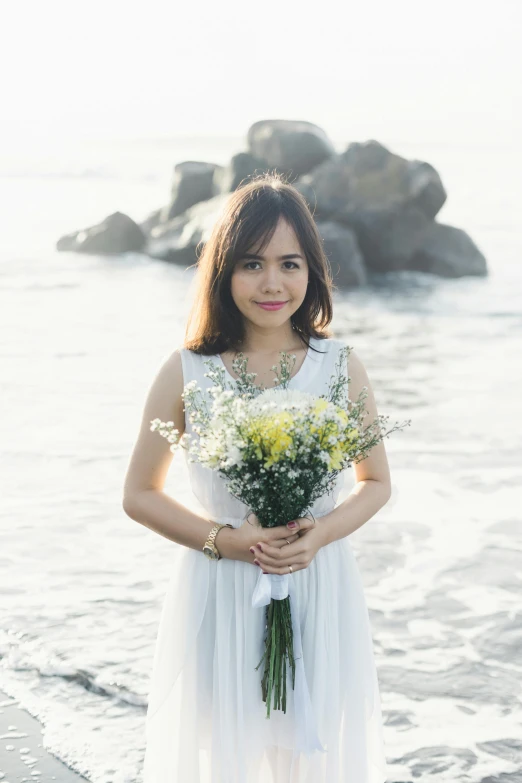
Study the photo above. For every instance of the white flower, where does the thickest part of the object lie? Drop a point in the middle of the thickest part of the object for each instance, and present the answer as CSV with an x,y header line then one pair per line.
x,y
234,457
284,396
272,400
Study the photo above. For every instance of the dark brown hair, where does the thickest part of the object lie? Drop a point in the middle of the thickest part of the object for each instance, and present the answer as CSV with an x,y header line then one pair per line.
x,y
215,324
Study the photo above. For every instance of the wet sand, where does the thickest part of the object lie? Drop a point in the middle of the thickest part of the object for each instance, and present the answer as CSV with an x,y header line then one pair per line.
x,y
22,756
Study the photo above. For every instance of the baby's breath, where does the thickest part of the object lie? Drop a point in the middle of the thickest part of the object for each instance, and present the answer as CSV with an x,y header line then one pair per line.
x,y
278,449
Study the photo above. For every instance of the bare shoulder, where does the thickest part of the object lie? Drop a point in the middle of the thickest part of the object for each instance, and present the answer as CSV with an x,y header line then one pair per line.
x,y
151,455
359,381
375,466
172,366
357,372
164,395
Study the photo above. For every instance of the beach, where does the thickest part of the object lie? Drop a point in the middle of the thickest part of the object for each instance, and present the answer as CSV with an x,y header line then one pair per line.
x,y
82,585
22,755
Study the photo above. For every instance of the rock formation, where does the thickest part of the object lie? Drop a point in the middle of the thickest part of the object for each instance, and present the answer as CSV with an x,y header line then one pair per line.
x,y
374,210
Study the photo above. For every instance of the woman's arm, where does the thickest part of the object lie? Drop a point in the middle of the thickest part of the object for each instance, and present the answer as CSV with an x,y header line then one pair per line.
x,y
373,485
143,497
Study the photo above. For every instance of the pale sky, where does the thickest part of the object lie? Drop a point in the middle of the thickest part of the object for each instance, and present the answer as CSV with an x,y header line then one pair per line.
x,y
386,69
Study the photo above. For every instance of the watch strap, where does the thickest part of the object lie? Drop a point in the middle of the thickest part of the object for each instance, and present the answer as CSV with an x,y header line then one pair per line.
x,y
210,542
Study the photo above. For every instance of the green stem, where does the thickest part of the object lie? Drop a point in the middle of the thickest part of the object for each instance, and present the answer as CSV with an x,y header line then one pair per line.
x,y
278,646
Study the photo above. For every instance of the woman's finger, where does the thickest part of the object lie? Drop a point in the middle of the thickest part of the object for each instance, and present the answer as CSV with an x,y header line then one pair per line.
x,y
286,541
301,523
274,556
267,569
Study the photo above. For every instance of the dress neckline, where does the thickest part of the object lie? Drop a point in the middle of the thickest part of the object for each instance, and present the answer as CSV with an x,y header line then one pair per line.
x,y
298,374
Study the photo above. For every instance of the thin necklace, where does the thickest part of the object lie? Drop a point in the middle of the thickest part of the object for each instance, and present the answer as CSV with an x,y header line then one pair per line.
x,y
289,350
236,353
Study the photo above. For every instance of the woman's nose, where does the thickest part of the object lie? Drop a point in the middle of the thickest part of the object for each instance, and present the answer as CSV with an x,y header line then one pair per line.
x,y
271,282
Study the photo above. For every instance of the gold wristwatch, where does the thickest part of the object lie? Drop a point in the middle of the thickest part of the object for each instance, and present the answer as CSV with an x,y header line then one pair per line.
x,y
209,547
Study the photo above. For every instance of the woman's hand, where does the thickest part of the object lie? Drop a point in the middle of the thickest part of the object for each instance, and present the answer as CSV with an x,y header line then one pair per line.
x,y
239,543
299,554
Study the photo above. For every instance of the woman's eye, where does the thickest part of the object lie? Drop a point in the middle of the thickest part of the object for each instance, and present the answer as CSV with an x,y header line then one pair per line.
x,y
248,265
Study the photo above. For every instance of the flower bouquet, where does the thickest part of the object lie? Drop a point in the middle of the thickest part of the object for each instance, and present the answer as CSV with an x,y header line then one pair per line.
x,y
279,450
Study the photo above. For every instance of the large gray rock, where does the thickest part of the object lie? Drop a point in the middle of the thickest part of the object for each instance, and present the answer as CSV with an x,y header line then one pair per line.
x,y
342,250
118,233
291,146
389,239
449,252
388,201
375,210
177,240
151,221
367,176
239,170
192,182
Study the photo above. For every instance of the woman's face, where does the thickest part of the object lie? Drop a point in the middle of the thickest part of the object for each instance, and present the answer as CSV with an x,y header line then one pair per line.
x,y
271,277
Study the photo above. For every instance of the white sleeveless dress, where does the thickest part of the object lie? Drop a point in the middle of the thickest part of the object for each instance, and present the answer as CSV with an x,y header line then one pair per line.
x,y
206,720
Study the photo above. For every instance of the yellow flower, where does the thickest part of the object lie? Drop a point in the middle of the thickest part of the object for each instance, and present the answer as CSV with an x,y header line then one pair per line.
x,y
269,436
350,438
320,405
317,408
336,456
343,416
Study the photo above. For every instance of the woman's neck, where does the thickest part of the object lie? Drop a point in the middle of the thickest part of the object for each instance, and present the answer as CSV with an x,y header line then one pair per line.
x,y
271,343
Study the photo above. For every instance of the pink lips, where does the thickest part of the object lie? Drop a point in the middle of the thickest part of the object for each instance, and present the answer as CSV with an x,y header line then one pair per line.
x,y
271,305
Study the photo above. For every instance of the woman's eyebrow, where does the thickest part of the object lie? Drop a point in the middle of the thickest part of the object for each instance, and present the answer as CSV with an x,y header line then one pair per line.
x,y
281,258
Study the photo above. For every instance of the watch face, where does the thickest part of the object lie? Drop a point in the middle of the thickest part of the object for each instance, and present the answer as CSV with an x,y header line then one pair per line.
x,y
210,553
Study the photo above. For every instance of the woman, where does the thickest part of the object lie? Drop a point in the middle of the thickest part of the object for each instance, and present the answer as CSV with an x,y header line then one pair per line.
x,y
262,286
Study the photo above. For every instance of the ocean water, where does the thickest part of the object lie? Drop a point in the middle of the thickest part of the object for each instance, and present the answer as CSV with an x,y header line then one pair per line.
x,y
81,585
